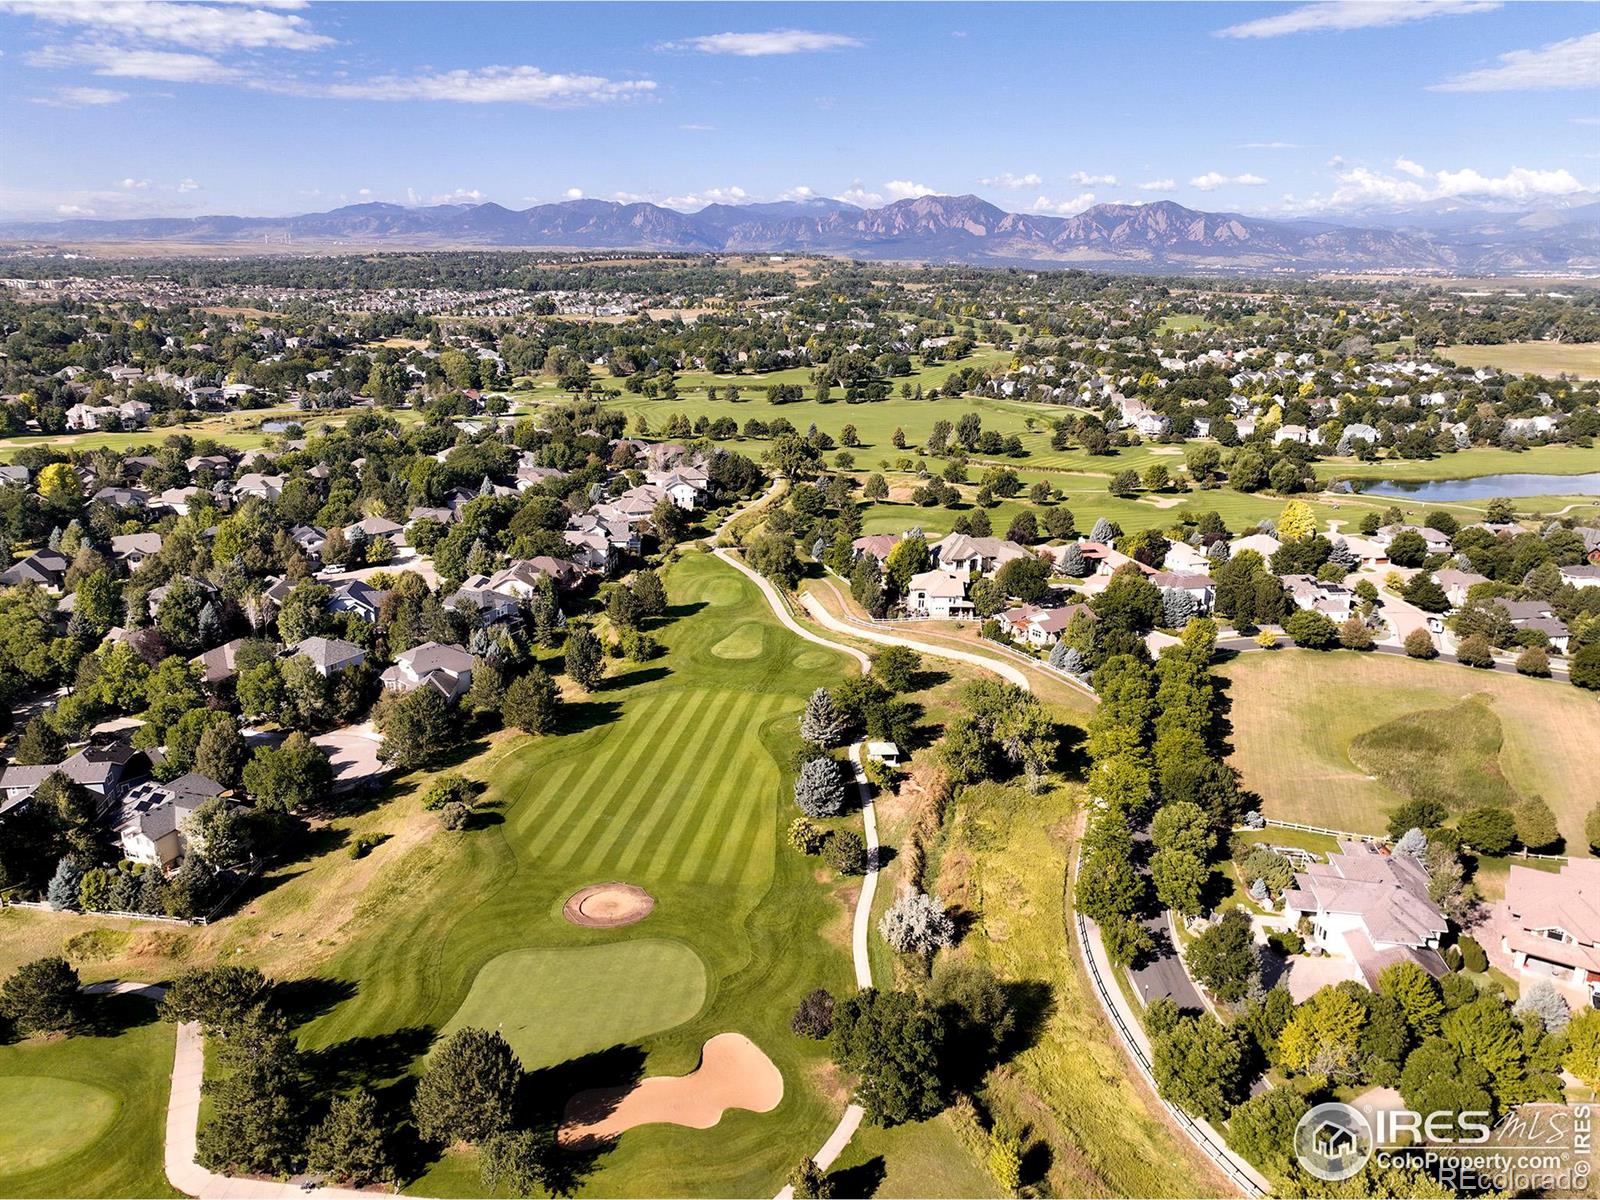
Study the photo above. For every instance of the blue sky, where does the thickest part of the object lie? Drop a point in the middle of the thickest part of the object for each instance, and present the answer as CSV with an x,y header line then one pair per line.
x,y
119,108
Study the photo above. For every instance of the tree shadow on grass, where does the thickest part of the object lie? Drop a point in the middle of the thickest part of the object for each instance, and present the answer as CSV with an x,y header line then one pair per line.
x,y
603,1078
112,1015
635,677
1037,1159
862,1180
302,1000
368,1062
676,612
583,715
1033,1001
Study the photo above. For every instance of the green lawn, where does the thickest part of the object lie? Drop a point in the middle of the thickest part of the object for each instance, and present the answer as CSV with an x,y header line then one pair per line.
x,y
1467,464
679,783
1296,714
85,1115
527,996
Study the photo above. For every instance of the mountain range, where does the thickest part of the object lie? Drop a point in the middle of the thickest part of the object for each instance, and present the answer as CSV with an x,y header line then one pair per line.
x,y
962,229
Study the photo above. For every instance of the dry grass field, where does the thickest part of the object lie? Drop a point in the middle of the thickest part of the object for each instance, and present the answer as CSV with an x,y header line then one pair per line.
x,y
1297,713
1535,358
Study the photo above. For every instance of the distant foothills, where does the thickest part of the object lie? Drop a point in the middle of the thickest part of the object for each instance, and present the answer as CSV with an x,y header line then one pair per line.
x,y
1454,238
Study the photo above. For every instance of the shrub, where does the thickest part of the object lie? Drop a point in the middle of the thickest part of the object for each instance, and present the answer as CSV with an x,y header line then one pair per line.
x,y
916,923
1585,668
1354,634
446,788
41,996
818,790
814,1016
1472,956
1536,824
1311,629
1489,829
807,837
1419,644
1287,942
454,816
1534,661
1475,652
366,844
847,853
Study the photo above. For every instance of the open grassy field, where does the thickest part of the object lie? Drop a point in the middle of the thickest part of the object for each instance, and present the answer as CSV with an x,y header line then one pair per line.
x,y
84,1116
675,777
1532,358
240,430
1091,1130
1467,464
1314,735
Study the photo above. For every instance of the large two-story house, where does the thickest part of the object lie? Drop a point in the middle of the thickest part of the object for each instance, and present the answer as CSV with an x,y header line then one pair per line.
x,y
1553,923
1370,906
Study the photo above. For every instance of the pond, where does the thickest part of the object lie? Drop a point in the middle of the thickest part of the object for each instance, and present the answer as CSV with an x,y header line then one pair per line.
x,y
1481,487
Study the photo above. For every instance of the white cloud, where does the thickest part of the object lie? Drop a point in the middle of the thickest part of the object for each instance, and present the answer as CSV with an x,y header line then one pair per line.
x,y
1574,63
1343,15
693,128
74,210
858,195
199,26
1410,167
1159,185
188,185
905,189
573,193
1065,208
364,192
484,85
169,66
1007,180
1084,179
716,195
81,97
1270,146
130,184
759,45
1212,180
459,196
1363,188
798,192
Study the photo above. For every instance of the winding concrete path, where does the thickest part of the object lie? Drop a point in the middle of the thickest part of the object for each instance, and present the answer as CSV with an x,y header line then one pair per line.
x,y
862,926
184,1172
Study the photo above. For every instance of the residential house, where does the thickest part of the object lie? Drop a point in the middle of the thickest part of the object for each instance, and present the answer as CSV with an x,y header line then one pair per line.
x,y
328,655
1457,584
1263,544
153,824
131,549
355,596
1581,576
1200,587
970,556
1333,600
254,483
446,668
1553,923
47,568
1370,906
220,663
1181,556
1039,626
938,593
1438,543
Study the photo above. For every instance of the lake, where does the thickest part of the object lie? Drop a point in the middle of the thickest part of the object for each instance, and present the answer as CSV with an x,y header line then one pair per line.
x,y
1481,487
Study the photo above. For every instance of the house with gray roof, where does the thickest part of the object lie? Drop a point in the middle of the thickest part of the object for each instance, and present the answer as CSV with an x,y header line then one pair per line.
x,y
328,655
444,667
1371,906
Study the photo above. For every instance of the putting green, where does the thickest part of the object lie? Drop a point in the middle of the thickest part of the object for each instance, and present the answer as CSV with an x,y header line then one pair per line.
x,y
44,1120
746,641
815,660
557,1004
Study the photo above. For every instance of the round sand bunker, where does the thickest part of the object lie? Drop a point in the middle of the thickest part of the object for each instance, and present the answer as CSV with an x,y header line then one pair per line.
x,y
608,905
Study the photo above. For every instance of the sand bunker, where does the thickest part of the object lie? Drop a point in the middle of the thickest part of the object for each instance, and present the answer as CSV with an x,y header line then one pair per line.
x,y
607,905
733,1073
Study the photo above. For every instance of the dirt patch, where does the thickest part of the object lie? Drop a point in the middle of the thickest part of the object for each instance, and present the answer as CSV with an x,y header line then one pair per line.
x,y
608,905
733,1073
